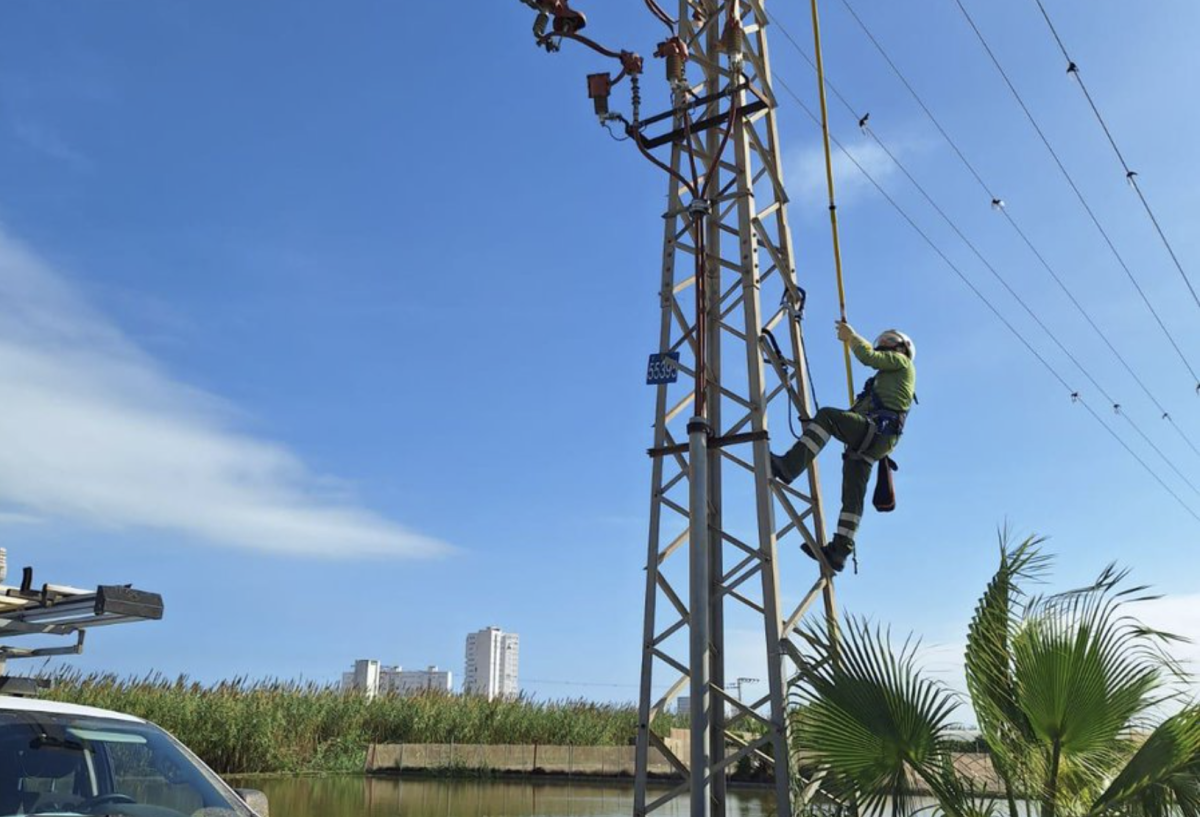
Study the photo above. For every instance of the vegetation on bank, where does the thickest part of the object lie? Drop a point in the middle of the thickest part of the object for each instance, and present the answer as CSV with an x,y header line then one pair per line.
x,y
278,726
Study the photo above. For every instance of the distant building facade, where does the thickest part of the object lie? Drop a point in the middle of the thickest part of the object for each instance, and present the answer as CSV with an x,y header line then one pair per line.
x,y
363,679
492,657
369,678
400,681
683,706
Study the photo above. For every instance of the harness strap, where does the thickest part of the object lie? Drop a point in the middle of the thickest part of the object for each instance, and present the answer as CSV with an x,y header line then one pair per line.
x,y
868,438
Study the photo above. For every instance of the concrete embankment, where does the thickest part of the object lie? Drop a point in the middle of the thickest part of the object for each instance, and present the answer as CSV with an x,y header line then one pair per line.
x,y
574,761
593,761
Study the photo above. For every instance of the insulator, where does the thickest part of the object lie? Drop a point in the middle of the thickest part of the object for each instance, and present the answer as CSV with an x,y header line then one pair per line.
x,y
675,68
734,41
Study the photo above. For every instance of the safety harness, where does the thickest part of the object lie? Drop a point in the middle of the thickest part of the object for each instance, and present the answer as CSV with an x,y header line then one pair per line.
x,y
881,420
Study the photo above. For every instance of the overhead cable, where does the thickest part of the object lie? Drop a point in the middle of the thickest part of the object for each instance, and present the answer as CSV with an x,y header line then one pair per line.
x,y
1078,193
996,200
1130,175
1075,395
1113,402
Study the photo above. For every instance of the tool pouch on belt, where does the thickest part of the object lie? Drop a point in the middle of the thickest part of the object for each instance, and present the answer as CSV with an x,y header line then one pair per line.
x,y
885,487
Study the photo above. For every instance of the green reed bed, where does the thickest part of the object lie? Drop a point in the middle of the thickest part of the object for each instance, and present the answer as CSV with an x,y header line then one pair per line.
x,y
244,726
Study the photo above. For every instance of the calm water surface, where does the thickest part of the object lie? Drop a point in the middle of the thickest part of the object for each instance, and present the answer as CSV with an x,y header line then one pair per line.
x,y
374,797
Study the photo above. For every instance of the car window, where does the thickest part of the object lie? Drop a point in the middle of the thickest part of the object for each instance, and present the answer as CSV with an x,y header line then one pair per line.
x,y
66,765
149,778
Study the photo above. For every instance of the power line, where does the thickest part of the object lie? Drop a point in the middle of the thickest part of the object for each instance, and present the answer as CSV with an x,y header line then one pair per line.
x,y
1078,193
1130,175
996,273
1075,396
996,200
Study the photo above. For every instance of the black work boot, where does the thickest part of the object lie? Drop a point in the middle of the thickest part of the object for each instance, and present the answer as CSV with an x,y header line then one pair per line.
x,y
779,470
837,552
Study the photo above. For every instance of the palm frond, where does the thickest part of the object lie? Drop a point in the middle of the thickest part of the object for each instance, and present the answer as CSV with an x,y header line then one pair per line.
x,y
872,723
1086,674
990,676
1162,779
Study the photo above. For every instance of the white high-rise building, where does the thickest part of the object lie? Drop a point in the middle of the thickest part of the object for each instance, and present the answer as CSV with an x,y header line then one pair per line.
x,y
371,679
492,656
364,678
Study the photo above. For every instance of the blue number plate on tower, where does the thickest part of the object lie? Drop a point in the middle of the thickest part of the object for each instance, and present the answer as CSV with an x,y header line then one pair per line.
x,y
662,369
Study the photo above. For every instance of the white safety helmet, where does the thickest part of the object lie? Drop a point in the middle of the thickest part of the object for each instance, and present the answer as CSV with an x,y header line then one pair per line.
x,y
895,340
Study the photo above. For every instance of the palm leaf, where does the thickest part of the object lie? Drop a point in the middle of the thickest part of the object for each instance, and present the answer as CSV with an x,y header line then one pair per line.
x,y
1086,673
1163,777
872,724
988,662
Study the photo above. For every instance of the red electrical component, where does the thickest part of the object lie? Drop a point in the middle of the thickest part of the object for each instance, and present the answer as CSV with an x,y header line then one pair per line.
x,y
675,51
599,89
566,20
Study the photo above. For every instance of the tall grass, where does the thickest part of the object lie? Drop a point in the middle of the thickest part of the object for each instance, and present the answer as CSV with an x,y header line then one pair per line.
x,y
244,726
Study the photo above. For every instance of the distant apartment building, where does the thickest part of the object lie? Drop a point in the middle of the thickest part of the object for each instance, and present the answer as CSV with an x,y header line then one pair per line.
x,y
491,669
683,706
400,681
364,678
369,678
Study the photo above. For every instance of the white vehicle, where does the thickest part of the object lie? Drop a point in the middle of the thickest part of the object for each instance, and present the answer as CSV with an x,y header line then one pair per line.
x,y
62,760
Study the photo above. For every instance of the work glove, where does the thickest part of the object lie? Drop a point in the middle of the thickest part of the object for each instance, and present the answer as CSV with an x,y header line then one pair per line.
x,y
845,332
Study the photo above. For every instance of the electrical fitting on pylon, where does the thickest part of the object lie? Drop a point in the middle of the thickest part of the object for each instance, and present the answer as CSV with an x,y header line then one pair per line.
x,y
733,43
566,21
675,52
600,87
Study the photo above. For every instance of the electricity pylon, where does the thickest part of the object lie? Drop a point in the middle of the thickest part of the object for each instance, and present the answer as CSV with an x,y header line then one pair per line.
x,y
720,526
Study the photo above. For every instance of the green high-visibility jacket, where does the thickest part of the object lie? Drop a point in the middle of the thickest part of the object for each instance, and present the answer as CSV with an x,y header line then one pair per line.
x,y
896,382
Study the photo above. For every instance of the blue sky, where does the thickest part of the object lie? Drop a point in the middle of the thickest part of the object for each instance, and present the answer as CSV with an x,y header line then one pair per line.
x,y
329,321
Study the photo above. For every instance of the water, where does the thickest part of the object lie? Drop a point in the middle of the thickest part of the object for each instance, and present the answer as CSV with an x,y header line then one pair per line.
x,y
375,797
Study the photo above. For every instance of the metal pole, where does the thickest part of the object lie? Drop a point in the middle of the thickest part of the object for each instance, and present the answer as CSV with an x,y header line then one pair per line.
x,y
699,597
833,221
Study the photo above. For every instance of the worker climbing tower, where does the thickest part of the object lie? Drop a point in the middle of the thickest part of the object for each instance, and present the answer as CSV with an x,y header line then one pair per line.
x,y
721,529
724,551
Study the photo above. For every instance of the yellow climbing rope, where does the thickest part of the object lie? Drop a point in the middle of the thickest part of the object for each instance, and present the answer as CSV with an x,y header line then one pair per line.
x,y
833,220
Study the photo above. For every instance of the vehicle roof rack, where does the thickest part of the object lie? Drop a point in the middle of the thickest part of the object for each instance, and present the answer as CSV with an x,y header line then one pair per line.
x,y
60,610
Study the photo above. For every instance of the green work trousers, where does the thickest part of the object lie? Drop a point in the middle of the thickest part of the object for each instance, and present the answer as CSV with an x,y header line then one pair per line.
x,y
850,428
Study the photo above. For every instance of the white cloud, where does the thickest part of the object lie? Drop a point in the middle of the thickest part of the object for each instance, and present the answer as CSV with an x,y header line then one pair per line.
x,y
805,171
93,431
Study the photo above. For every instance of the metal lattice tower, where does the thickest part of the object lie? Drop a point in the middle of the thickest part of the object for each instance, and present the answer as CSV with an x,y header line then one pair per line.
x,y
711,461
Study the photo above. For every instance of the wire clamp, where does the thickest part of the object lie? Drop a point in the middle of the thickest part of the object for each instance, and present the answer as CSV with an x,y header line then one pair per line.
x,y
698,208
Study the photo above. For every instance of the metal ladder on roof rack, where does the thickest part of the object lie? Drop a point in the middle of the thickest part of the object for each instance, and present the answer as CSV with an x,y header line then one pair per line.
x,y
60,610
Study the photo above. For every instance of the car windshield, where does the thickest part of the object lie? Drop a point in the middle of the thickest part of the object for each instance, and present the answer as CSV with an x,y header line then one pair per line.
x,y
53,764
